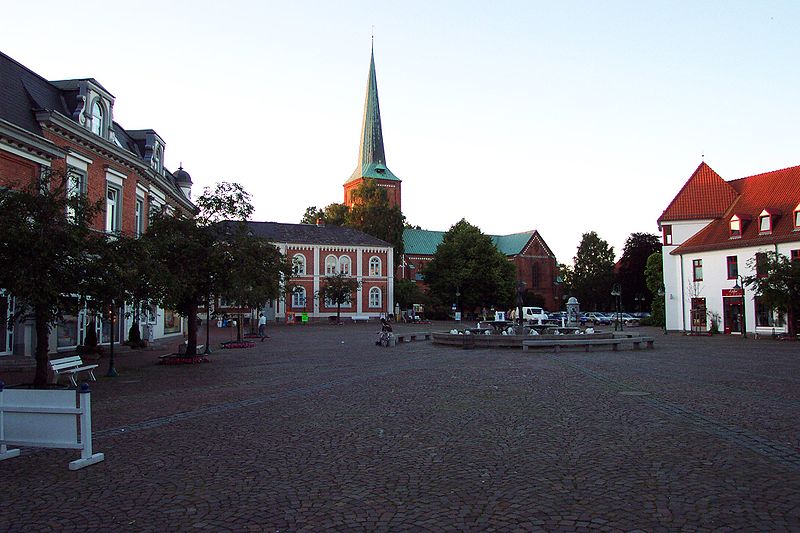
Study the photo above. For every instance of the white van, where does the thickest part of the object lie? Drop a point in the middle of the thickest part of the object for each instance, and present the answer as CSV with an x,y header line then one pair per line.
x,y
534,314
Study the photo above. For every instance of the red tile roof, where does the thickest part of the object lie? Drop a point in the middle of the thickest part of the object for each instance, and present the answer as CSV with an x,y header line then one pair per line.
x,y
704,195
777,191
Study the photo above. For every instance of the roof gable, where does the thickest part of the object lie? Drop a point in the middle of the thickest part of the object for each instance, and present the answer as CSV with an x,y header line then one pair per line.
x,y
704,195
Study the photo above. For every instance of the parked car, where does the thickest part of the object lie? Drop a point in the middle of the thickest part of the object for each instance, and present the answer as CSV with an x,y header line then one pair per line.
x,y
629,320
598,318
534,314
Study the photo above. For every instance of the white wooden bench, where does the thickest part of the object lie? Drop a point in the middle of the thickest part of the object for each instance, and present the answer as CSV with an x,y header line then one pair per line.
x,y
360,318
408,337
557,344
71,366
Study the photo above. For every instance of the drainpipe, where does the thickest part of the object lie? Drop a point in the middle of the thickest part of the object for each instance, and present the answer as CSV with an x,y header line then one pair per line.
x,y
683,311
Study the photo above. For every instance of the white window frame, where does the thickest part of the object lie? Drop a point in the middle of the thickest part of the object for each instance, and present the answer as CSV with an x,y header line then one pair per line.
x,y
331,265
375,302
138,216
299,297
375,266
763,218
113,216
346,265
97,119
299,265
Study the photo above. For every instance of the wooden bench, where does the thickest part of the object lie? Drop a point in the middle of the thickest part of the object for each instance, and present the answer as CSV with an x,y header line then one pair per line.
x,y
421,335
182,348
360,318
557,344
71,366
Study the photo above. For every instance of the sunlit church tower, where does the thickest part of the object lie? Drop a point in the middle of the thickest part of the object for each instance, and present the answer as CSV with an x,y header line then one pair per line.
x,y
371,156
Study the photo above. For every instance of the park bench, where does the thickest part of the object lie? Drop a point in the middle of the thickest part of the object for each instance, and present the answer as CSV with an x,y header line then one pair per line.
x,y
408,337
557,344
71,366
182,348
360,318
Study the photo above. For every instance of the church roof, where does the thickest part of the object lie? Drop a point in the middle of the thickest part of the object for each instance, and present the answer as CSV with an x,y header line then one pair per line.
x,y
425,242
371,155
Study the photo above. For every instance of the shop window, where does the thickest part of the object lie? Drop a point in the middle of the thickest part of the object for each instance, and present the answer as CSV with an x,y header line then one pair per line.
x,y
172,322
768,317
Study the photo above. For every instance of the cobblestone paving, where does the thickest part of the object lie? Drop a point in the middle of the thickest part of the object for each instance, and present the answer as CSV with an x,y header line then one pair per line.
x,y
318,429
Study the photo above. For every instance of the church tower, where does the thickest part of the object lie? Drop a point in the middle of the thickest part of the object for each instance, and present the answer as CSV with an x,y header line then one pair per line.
x,y
371,156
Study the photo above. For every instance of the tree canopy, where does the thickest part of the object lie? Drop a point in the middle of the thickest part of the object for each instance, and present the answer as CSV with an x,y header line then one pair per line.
x,y
45,231
467,262
631,277
593,273
338,289
654,277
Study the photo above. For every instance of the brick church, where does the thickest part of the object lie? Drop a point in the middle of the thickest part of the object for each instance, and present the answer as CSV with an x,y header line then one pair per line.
x,y
535,262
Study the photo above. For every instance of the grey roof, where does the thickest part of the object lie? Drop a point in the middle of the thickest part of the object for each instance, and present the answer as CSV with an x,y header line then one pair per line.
x,y
371,155
278,232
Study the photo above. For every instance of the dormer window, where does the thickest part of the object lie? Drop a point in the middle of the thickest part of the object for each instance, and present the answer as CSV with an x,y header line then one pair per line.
x,y
156,161
766,221
736,227
97,118
797,218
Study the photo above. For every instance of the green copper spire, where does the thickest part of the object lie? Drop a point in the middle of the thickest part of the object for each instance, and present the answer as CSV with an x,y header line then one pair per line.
x,y
371,156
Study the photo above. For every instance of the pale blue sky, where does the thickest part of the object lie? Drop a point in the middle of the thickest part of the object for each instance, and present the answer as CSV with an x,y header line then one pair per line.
x,y
564,117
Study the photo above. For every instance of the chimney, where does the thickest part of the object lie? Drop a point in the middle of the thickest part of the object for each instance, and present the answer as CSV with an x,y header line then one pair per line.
x,y
320,223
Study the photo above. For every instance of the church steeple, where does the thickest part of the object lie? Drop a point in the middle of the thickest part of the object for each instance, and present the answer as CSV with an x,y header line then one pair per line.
x,y
371,154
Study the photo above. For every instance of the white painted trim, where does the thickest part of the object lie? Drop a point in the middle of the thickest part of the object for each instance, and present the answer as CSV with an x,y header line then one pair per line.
x,y
25,155
80,157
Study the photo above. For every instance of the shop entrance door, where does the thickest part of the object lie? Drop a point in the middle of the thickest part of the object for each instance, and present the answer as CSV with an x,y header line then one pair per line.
x,y
733,308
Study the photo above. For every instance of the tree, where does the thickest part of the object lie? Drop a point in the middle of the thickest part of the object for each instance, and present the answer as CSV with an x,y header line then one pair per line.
x,y
374,215
638,247
333,215
44,231
654,278
468,263
593,272
407,293
201,256
338,289
776,282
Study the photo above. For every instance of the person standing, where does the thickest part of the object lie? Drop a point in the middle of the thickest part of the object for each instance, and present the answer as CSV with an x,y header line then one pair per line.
x,y
262,327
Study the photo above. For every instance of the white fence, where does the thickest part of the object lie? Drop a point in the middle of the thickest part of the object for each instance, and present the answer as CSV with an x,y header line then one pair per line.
x,y
47,419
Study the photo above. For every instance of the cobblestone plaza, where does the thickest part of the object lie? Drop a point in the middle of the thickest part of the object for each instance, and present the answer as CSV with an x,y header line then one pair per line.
x,y
318,429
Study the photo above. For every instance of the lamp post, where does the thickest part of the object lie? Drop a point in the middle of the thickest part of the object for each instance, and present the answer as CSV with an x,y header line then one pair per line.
x,y
112,371
520,301
738,287
616,291
661,294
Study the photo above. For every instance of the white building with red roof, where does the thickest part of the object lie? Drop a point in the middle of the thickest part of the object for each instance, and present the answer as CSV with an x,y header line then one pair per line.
x,y
713,232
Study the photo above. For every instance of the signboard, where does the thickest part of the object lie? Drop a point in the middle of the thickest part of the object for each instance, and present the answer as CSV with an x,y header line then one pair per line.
x,y
732,292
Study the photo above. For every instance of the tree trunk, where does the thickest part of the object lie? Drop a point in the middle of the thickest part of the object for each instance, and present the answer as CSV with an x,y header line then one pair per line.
x,y
338,312
191,341
42,348
791,318
239,328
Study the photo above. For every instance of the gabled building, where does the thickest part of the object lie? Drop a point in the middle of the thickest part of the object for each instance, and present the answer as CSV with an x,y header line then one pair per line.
x,y
535,263
319,251
712,234
69,125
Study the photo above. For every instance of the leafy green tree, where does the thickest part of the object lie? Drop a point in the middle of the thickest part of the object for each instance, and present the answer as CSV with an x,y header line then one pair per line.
x,y
467,262
312,215
638,247
338,289
407,293
44,231
654,277
374,215
593,272
777,284
333,215
196,257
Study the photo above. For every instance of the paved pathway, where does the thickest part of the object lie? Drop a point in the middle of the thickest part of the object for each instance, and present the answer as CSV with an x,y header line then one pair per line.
x,y
318,429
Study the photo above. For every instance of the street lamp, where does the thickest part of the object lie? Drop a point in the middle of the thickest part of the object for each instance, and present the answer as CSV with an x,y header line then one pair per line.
x,y
112,371
737,288
520,301
616,291
661,294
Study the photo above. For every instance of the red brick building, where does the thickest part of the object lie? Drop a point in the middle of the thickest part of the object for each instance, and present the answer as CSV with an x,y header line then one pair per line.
x,y
69,126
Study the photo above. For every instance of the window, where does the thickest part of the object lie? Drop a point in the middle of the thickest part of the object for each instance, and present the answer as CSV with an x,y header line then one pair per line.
x,y
535,276
736,227
299,265
768,317
156,161
761,265
344,265
172,321
666,230
331,264
733,267
139,217
765,223
299,297
375,297
374,266
797,218
113,197
795,255
97,118
697,269
76,186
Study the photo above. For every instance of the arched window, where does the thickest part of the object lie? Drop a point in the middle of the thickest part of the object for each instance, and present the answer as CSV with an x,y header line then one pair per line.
x,y
97,118
344,265
299,265
375,297
331,264
374,266
157,159
299,297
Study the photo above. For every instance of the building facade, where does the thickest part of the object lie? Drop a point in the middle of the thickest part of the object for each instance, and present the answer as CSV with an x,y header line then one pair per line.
x,y
317,251
536,264
68,126
713,233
